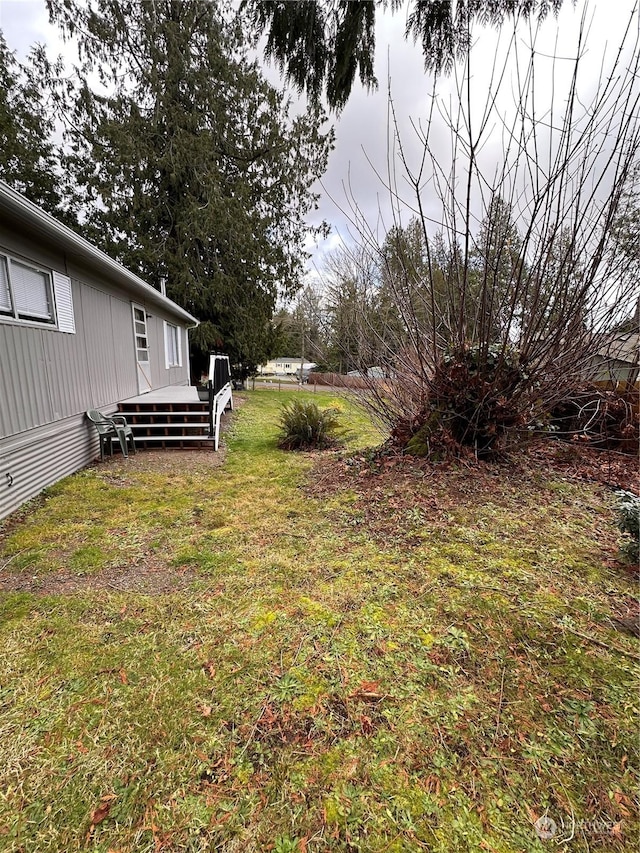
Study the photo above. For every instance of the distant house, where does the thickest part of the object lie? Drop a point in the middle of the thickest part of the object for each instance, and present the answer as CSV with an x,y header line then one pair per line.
x,y
617,359
285,366
369,373
77,331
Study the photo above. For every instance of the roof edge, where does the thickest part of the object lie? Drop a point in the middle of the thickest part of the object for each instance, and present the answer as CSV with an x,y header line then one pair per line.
x,y
15,203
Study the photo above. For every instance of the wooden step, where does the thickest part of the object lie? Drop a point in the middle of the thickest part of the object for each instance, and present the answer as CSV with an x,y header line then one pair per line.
x,y
140,425
144,430
149,413
174,442
168,425
173,438
163,407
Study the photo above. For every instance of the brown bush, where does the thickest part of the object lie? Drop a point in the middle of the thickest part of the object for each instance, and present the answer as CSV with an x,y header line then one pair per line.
x,y
602,418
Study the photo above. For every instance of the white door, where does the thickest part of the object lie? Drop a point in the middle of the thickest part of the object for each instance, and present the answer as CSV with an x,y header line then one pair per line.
x,y
142,348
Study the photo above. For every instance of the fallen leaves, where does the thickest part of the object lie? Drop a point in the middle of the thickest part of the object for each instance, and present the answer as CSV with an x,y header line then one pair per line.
x,y
209,669
368,691
101,813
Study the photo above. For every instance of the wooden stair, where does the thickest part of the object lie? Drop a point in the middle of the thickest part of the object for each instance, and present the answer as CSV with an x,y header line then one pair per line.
x,y
168,425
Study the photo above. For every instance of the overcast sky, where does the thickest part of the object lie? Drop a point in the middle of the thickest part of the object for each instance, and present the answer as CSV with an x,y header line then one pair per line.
x,y
362,128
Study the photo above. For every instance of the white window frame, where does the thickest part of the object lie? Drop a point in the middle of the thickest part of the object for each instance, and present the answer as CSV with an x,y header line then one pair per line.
x,y
170,329
58,294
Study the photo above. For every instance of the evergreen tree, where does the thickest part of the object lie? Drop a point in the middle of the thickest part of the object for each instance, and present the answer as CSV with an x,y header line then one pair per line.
x,y
364,323
349,312
28,157
411,278
627,223
493,288
192,169
321,45
301,329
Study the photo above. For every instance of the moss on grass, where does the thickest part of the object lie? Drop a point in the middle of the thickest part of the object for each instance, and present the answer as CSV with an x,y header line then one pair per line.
x,y
344,673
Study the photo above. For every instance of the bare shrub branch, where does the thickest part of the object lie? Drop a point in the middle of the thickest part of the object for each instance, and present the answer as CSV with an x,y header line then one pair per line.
x,y
485,307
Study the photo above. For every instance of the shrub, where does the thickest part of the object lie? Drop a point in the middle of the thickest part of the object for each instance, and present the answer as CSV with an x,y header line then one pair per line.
x,y
604,418
472,400
304,426
629,524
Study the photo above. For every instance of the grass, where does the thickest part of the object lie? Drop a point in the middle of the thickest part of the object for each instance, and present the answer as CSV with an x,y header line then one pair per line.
x,y
387,662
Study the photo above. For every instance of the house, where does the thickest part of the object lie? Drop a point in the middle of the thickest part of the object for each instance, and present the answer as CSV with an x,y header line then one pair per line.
x,y
369,373
285,366
77,331
616,360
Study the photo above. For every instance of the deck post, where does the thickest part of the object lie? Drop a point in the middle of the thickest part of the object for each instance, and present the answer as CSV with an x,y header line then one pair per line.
x,y
211,408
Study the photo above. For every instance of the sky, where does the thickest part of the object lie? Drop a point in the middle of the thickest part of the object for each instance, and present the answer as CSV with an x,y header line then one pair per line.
x,y
360,164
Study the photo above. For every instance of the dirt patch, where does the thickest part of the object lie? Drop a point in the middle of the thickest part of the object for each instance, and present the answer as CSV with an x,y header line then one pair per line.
x,y
578,463
162,462
562,460
141,580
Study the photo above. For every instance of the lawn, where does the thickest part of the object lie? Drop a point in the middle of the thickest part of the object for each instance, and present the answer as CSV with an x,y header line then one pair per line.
x,y
314,652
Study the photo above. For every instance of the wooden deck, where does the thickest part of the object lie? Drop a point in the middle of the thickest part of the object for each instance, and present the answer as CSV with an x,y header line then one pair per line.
x,y
170,394
171,417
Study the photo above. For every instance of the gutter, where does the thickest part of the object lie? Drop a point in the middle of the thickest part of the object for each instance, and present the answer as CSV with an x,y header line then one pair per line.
x,y
24,212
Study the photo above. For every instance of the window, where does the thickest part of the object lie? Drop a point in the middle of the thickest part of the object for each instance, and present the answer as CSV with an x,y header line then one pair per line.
x,y
140,328
30,293
172,348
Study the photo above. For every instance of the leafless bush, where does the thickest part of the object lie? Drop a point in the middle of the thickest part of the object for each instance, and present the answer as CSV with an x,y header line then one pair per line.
x,y
603,418
510,275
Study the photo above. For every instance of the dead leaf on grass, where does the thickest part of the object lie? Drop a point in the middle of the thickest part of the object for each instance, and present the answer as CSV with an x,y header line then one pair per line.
x,y
616,831
102,812
368,691
623,801
209,669
366,725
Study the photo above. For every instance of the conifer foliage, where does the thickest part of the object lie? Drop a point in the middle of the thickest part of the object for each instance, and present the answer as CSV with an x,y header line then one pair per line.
x,y
322,45
191,167
28,157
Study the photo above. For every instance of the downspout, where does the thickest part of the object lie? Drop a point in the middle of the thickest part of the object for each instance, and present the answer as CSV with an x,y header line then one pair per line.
x,y
212,361
187,330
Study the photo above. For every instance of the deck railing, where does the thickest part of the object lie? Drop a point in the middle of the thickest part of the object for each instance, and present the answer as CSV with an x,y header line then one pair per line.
x,y
220,395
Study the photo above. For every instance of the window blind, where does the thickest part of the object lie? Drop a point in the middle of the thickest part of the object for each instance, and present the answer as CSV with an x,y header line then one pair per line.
x,y
30,291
